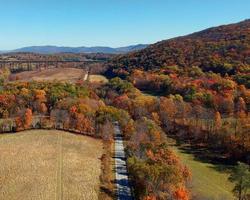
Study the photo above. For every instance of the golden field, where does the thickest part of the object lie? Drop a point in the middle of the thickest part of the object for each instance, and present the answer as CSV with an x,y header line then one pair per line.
x,y
58,74
49,164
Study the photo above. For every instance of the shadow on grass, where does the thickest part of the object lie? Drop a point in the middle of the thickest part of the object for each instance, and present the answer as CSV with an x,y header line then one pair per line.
x,y
204,154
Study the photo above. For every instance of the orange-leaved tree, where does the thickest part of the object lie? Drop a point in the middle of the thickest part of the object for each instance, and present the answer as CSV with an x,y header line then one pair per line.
x,y
27,118
181,194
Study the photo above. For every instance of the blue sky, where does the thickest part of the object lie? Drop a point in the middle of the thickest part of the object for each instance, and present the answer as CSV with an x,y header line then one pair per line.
x,y
110,22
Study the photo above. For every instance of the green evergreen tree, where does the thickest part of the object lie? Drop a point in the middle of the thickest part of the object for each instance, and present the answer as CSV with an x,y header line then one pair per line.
x,y
241,177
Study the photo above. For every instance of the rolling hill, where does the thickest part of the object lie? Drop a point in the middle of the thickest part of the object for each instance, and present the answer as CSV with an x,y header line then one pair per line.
x,y
223,49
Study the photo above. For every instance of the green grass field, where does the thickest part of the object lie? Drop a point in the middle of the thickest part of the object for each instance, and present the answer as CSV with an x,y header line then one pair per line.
x,y
207,182
49,164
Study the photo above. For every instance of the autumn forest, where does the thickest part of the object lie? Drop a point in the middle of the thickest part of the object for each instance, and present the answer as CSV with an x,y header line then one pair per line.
x,y
191,93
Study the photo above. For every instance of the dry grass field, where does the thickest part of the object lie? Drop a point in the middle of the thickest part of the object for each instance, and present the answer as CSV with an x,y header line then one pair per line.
x,y
48,165
97,79
59,74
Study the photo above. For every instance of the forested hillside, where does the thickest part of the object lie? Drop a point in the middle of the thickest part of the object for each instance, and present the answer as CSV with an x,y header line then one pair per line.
x,y
200,83
224,49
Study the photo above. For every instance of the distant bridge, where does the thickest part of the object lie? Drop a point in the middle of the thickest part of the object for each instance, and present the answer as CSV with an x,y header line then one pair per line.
x,y
49,61
28,65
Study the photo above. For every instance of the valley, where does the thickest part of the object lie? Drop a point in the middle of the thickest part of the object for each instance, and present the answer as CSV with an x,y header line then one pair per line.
x,y
168,121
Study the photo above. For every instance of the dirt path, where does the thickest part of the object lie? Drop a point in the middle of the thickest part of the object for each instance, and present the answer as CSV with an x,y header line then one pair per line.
x,y
121,173
59,190
86,76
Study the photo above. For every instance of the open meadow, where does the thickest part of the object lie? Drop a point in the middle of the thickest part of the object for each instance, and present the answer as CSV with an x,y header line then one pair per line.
x,y
208,182
49,164
58,74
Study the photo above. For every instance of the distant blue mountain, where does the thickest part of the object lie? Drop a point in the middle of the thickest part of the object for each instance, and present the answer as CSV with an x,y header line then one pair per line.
x,y
97,49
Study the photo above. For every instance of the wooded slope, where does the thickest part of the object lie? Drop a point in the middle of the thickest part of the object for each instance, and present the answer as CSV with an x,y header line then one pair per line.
x,y
223,49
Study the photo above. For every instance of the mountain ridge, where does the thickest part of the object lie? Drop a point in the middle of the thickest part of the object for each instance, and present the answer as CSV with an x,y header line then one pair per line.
x,y
51,49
